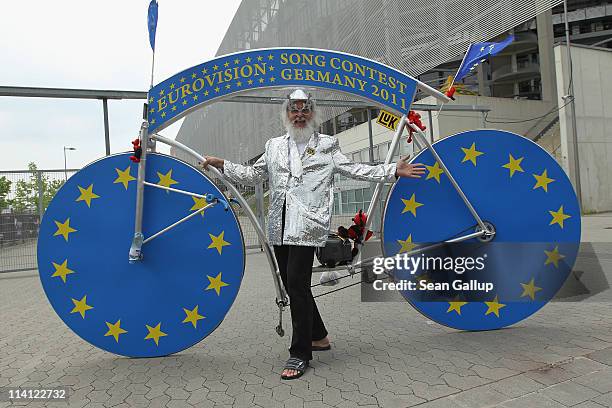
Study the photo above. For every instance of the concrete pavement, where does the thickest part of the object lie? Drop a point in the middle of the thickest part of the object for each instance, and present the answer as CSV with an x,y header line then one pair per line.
x,y
384,354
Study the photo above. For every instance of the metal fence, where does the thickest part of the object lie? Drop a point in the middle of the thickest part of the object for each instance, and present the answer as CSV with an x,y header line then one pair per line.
x,y
24,196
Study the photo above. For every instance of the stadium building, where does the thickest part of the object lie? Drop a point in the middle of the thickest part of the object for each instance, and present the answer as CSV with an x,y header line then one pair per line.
x,y
522,89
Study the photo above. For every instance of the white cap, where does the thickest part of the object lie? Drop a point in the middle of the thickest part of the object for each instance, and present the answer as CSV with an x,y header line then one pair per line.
x,y
299,95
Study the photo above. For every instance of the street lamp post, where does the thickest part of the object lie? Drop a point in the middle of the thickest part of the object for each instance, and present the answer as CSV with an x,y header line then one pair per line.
x,y
65,167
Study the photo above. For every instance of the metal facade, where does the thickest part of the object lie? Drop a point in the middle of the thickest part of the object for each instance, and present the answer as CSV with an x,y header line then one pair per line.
x,y
413,36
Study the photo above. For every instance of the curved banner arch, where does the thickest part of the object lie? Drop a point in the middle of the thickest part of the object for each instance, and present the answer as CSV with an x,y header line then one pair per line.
x,y
235,73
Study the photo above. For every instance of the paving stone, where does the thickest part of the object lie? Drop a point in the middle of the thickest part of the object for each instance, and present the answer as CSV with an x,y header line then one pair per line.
x,y
569,393
98,396
600,381
588,404
464,382
220,397
534,400
384,355
177,393
516,386
178,404
198,397
316,404
604,399
603,356
160,401
582,366
387,399
551,375
429,392
445,402
479,397
266,402
358,398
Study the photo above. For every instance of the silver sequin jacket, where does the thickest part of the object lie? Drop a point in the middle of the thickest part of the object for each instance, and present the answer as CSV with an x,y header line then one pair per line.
x,y
309,200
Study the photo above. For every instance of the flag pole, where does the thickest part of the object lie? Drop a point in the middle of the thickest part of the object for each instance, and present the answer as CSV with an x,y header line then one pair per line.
x,y
460,65
152,16
455,76
152,68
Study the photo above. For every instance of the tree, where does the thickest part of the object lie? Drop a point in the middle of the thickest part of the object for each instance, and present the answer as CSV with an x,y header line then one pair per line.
x,y
5,187
27,191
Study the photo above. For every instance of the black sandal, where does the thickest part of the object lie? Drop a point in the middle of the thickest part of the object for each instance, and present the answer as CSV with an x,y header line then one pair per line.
x,y
296,364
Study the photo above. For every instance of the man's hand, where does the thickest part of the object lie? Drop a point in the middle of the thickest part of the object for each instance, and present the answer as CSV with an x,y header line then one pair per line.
x,y
213,161
405,169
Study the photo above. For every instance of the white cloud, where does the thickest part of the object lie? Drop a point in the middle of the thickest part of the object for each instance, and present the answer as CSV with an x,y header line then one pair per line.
x,y
96,45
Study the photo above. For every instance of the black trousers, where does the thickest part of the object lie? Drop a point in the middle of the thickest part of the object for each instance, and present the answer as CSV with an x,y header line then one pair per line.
x,y
295,265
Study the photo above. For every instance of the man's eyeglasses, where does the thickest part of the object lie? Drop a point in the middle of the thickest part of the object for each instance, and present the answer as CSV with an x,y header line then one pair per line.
x,y
304,111
295,109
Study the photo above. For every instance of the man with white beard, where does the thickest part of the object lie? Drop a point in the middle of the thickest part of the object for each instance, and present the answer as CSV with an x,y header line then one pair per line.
x,y
300,167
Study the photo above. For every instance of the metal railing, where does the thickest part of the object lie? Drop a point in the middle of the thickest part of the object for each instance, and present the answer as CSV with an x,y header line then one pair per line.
x,y
24,197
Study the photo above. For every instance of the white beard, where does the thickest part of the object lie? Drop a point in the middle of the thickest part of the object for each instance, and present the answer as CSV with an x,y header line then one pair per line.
x,y
301,135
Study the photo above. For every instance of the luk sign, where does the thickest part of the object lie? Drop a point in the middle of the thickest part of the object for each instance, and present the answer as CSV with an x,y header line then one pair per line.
x,y
231,74
387,119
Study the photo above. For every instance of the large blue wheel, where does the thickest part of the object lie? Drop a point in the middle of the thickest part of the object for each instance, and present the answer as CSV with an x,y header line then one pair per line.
x,y
182,289
518,189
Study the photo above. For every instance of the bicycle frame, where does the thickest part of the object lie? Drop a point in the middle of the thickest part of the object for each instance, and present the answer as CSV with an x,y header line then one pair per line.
x,y
138,241
281,295
483,231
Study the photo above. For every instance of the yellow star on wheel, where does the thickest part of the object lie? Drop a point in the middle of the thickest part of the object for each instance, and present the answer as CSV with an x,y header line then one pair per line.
x,y
87,195
494,306
411,205
514,165
165,180
530,289
558,217
407,245
61,270
155,333
542,181
192,316
553,257
434,172
216,283
455,306
114,329
199,203
64,229
81,306
218,242
471,154
124,177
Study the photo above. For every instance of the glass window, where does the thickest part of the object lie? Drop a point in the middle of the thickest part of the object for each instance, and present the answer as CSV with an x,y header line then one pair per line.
x,y
403,144
365,155
344,196
359,195
367,194
351,196
382,151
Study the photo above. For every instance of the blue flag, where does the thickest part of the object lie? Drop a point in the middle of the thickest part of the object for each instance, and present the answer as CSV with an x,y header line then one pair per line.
x,y
152,22
479,52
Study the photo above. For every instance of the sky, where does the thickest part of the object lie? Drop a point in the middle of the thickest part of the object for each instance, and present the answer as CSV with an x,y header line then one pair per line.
x,y
92,45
